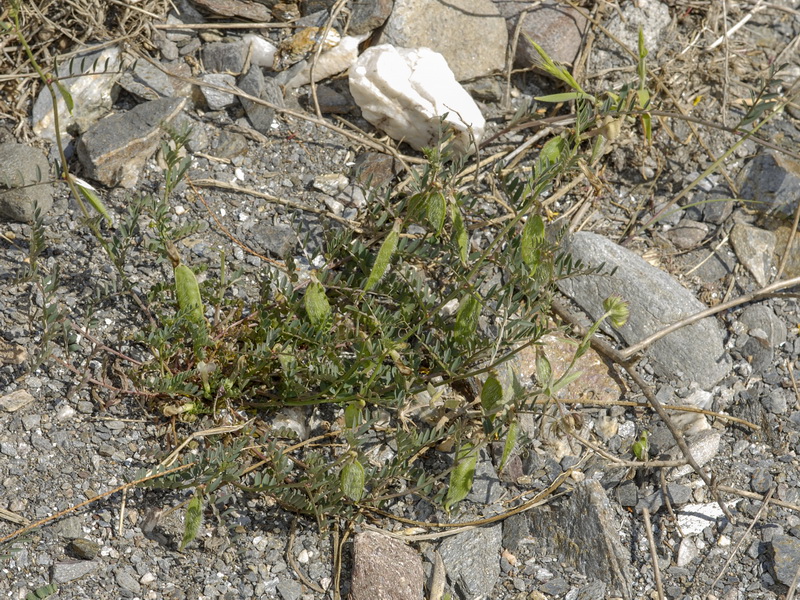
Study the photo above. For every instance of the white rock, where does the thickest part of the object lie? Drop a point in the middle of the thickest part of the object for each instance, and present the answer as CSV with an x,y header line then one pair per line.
x,y
334,61
262,52
405,92
90,79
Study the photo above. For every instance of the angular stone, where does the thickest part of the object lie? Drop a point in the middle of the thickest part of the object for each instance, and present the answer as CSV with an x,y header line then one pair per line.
x,y
773,181
260,116
70,570
785,557
115,150
557,28
385,569
24,182
486,486
224,57
11,353
583,532
376,169
596,378
703,446
217,99
754,248
472,560
90,79
366,15
146,81
15,400
687,234
692,353
251,11
470,34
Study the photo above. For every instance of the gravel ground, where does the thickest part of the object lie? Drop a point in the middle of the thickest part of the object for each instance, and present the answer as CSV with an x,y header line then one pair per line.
x,y
70,441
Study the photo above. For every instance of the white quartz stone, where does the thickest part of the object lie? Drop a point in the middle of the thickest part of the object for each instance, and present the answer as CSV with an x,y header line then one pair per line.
x,y
406,92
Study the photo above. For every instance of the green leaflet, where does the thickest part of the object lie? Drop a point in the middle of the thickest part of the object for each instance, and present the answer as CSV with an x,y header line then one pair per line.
x,y
459,234
187,291
42,592
436,209
491,396
316,304
88,192
531,242
192,520
351,479
511,441
462,475
384,257
467,319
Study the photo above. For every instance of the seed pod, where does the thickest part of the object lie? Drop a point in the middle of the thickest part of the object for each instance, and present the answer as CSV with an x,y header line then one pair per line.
x,y
187,291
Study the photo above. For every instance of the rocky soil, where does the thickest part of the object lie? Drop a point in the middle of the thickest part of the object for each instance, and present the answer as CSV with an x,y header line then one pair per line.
x,y
274,177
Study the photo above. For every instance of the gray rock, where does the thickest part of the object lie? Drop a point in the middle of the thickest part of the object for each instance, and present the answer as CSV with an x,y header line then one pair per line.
x,y
557,28
289,589
366,15
652,16
687,234
703,446
772,180
472,561
478,48
486,486
385,569
693,353
254,83
70,570
677,494
225,57
90,79
127,581
70,528
761,480
24,182
217,99
146,81
764,318
583,532
785,557
277,240
754,248
115,150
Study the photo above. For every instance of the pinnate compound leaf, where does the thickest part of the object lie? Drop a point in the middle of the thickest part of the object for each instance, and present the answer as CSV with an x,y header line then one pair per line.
x,y
462,476
316,303
351,479
384,258
467,319
192,520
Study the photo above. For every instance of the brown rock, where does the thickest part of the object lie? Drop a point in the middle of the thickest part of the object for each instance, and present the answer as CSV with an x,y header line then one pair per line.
x,y
558,29
252,11
385,569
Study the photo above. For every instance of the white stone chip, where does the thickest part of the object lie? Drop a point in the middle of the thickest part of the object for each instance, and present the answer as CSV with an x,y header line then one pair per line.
x,y
405,92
